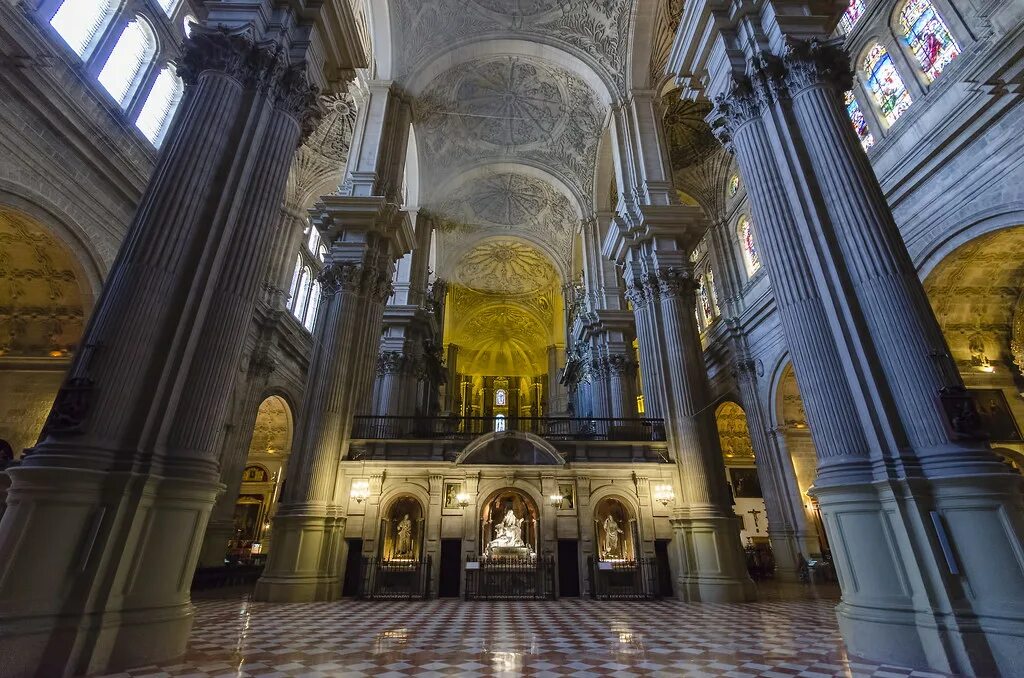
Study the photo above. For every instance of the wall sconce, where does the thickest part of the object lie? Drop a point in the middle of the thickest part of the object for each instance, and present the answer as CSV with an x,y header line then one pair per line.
x,y
360,490
462,499
664,494
556,501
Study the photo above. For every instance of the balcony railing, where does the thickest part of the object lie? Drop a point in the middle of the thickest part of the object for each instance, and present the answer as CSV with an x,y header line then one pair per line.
x,y
549,428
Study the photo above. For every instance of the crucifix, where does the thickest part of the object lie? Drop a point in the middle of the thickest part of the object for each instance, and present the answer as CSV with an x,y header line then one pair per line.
x,y
755,513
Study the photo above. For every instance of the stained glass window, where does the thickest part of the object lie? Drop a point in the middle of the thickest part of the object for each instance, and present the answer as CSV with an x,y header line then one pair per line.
x,y
850,16
750,255
929,39
501,397
734,184
885,83
860,125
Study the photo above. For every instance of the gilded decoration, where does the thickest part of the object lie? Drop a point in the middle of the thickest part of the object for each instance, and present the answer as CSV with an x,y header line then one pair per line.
x,y
734,434
273,431
41,311
505,266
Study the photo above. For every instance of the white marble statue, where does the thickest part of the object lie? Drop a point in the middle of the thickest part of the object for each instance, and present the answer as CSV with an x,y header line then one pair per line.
x,y
611,537
509,532
403,545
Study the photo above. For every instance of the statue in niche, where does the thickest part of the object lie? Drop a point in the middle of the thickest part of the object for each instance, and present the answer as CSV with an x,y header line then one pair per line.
x,y
403,542
612,542
509,532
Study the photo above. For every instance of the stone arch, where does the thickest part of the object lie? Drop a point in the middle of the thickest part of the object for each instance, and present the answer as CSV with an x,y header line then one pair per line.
x,y
519,166
643,38
274,429
380,47
995,219
544,452
482,47
606,179
522,504
46,300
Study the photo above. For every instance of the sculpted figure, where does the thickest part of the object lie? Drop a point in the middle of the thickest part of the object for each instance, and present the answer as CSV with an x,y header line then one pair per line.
x,y
612,543
403,545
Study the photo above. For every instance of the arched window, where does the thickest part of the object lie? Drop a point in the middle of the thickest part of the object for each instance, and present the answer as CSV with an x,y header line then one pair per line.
x,y
169,6
501,397
929,39
499,423
128,60
78,22
860,125
302,297
751,258
162,102
313,242
886,85
186,24
322,252
313,306
294,289
850,16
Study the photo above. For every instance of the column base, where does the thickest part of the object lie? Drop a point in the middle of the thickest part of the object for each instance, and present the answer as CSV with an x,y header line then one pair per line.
x,y
98,569
788,546
215,543
713,566
931,571
307,562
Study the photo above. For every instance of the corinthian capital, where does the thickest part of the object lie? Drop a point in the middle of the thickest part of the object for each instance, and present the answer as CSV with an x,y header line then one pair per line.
x,y
260,65
360,278
390,362
814,62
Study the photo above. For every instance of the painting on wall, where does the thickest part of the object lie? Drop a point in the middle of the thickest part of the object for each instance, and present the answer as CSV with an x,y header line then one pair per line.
x,y
997,420
451,494
567,490
745,484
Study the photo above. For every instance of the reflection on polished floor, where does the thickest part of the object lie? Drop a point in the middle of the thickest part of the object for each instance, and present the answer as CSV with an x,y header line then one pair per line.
x,y
779,636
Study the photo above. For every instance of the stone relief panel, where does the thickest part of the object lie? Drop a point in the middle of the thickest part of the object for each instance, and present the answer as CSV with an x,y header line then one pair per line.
x,y
510,109
273,431
595,29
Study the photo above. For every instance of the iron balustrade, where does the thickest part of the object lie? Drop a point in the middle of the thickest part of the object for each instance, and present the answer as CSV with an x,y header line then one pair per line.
x,y
530,578
395,579
549,428
624,579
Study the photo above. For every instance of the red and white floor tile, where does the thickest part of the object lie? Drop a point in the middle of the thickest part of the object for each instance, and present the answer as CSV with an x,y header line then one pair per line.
x,y
773,638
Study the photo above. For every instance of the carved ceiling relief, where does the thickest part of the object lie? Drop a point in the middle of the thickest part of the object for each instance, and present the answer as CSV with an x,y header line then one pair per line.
x,y
734,434
700,165
320,162
975,293
595,28
510,109
508,204
41,310
505,267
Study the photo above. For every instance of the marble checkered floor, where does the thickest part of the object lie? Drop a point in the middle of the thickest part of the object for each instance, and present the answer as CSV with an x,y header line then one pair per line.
x,y
775,638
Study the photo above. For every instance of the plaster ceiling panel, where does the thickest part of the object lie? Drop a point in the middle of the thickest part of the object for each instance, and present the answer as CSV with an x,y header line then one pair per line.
x,y
41,309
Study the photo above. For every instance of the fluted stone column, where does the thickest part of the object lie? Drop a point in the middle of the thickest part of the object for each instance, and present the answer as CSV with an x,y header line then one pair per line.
x,y
662,289
925,526
104,518
368,235
621,386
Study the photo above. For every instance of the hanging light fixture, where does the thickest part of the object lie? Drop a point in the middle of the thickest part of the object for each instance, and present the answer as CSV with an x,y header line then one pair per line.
x,y
556,500
462,499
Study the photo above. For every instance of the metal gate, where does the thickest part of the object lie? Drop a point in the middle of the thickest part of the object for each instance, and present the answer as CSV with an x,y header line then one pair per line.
x,y
510,578
624,580
396,578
